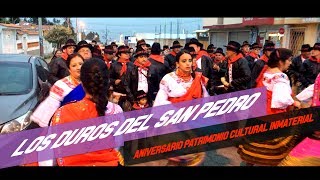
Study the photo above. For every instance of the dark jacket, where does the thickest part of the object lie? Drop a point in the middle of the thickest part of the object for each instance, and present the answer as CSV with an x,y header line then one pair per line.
x,y
115,74
296,69
310,70
58,69
256,70
207,71
171,60
132,79
162,69
250,60
241,75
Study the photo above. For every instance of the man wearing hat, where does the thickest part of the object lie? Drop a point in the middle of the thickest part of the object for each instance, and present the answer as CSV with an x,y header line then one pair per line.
x,y
115,48
260,63
159,64
142,43
119,69
295,68
245,48
108,55
210,51
254,54
238,73
171,57
203,62
58,66
220,67
84,49
311,66
165,50
143,77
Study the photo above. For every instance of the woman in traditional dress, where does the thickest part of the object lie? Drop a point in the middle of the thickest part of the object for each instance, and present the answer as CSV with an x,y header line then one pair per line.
x,y
94,78
62,92
178,86
279,98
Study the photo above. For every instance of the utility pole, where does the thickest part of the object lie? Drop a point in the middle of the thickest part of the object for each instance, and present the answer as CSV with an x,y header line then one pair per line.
x,y
40,36
177,28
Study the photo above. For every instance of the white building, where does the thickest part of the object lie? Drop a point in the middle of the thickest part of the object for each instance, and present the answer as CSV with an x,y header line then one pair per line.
x,y
23,38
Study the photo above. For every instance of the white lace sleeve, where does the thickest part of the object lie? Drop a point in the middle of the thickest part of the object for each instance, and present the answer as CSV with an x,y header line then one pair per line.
x,y
307,94
162,95
281,95
48,107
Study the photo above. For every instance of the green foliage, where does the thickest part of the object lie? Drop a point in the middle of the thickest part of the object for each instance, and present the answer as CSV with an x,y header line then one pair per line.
x,y
10,20
59,35
93,36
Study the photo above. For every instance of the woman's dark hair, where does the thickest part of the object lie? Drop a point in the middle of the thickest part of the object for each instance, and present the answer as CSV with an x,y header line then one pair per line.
x,y
277,55
94,78
71,57
55,52
181,52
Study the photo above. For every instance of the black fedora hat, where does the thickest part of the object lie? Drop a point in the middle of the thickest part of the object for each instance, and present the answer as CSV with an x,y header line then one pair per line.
x,y
140,94
82,44
255,45
108,49
219,50
195,41
70,42
269,46
316,46
211,48
234,46
305,48
245,43
141,42
141,51
175,44
123,49
114,44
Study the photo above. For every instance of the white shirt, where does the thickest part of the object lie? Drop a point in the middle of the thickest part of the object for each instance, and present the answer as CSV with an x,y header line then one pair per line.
x,y
142,80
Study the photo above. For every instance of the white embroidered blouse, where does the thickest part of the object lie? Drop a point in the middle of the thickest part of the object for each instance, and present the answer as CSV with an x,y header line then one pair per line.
x,y
173,86
279,84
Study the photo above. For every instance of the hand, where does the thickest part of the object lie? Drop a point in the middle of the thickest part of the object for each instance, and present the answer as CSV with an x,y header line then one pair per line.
x,y
117,81
216,67
297,104
224,82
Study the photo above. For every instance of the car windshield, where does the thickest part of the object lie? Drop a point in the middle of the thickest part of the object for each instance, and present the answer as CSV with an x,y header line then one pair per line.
x,y
15,78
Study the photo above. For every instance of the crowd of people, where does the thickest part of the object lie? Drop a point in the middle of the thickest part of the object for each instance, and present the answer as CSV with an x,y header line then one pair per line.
x,y
89,82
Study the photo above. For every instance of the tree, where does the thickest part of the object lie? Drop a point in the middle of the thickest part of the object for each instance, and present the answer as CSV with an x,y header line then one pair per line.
x,y
93,36
34,20
59,35
10,20
90,36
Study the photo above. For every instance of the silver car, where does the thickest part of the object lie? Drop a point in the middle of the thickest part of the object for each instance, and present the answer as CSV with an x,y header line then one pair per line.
x,y
22,86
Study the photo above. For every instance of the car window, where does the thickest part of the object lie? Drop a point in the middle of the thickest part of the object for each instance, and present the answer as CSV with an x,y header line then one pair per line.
x,y
16,78
41,71
44,64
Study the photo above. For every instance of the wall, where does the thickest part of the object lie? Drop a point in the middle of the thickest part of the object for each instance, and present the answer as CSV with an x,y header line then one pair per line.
x,y
311,34
232,21
209,21
9,44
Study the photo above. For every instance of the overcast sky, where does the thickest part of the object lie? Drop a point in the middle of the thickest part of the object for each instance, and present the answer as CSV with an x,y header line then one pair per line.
x,y
129,26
